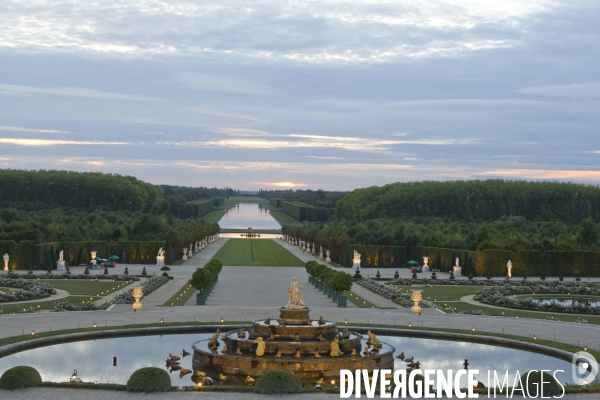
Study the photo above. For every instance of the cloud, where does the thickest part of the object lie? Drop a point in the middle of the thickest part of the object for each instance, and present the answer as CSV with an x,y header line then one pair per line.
x,y
579,91
562,175
220,83
21,129
73,92
55,142
307,32
281,184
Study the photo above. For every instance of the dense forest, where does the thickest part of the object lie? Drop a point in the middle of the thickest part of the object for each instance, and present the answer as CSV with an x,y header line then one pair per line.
x,y
476,201
315,198
64,206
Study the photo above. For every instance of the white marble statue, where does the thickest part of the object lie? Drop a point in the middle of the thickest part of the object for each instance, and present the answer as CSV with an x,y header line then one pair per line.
x,y
60,264
93,255
509,267
161,253
294,297
160,258
6,259
61,255
356,261
457,262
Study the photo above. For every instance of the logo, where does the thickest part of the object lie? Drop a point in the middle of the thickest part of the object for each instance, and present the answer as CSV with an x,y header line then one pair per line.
x,y
584,368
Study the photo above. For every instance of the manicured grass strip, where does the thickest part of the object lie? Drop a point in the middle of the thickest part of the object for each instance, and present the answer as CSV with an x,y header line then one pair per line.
x,y
85,287
443,293
284,219
359,301
182,296
511,312
8,308
214,216
268,253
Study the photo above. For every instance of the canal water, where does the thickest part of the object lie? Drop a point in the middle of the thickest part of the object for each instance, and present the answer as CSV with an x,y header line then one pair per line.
x,y
245,215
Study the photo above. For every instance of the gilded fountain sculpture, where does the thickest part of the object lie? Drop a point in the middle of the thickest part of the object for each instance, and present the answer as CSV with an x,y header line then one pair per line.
x,y
293,342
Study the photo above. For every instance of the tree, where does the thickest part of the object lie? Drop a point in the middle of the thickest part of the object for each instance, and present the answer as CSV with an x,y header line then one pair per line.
x,y
201,279
587,235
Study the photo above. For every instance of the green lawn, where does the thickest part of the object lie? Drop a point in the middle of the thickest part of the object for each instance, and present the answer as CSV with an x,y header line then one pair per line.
x,y
214,216
181,297
444,293
266,252
86,288
8,308
359,301
284,219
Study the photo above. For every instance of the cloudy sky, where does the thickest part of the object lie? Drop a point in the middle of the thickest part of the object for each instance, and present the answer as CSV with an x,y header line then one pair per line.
x,y
320,94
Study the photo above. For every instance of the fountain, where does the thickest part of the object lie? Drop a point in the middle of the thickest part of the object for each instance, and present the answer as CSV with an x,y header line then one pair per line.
x,y
310,349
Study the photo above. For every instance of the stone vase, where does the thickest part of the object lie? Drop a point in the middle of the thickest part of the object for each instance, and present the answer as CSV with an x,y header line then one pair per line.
x,y
416,296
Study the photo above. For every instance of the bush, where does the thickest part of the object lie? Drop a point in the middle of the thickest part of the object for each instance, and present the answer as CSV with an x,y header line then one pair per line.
x,y
357,276
126,272
20,376
396,275
149,379
165,268
551,386
144,271
278,382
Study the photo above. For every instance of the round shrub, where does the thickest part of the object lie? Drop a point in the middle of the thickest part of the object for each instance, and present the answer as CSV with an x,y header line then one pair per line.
x,y
20,376
533,384
278,382
149,379
165,268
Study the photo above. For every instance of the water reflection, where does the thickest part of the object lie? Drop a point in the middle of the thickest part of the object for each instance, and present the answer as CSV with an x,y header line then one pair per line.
x,y
94,359
244,215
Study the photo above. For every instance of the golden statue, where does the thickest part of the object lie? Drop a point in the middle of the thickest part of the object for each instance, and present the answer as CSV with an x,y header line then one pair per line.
x,y
294,298
298,355
238,352
260,349
278,355
335,348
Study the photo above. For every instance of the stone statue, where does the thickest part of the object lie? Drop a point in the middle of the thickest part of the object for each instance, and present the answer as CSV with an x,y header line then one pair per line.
x,y
298,355
346,334
457,261
61,255
509,267
278,355
317,355
294,298
215,338
6,259
260,348
356,261
241,334
161,252
321,320
353,353
297,338
238,352
335,349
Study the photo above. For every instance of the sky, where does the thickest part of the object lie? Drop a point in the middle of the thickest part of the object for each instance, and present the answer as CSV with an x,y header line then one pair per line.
x,y
331,95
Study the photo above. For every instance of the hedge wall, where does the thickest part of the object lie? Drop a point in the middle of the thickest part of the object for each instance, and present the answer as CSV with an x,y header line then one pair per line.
x,y
218,200
276,202
306,212
551,263
196,208
444,259
25,255
374,256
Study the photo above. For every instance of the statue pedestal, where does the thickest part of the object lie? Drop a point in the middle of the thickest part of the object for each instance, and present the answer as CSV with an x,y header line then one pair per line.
x,y
425,268
6,265
160,261
458,271
60,265
184,258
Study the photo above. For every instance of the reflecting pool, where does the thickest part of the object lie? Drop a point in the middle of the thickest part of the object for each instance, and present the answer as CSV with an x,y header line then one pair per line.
x,y
93,359
244,215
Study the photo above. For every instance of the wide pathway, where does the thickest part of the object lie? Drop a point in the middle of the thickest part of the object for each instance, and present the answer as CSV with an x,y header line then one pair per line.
x,y
254,304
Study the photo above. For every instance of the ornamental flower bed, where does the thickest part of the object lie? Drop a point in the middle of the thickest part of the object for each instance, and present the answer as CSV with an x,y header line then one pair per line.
x,y
398,296
63,305
63,276
147,287
500,296
26,290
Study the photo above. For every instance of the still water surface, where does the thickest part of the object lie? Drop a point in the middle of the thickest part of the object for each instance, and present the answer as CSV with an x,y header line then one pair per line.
x,y
93,359
244,215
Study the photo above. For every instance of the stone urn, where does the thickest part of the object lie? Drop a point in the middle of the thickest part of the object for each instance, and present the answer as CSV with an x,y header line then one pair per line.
x,y
93,254
184,258
416,296
425,265
328,252
138,293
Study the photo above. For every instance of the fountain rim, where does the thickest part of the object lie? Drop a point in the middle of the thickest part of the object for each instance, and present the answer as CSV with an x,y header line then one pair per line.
x,y
30,344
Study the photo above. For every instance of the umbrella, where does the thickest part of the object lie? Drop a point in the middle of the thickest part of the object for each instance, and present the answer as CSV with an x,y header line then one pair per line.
x,y
98,259
412,262
113,257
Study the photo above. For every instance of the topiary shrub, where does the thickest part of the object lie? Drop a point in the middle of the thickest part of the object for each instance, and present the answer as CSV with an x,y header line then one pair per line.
x,y
533,383
20,376
396,275
126,272
278,382
434,276
452,277
470,275
144,271
414,276
149,379
377,275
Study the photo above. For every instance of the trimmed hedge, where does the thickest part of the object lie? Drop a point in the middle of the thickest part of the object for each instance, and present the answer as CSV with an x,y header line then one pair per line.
x,y
278,382
306,212
19,377
149,379
444,258
375,256
199,208
276,202
532,383
218,200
